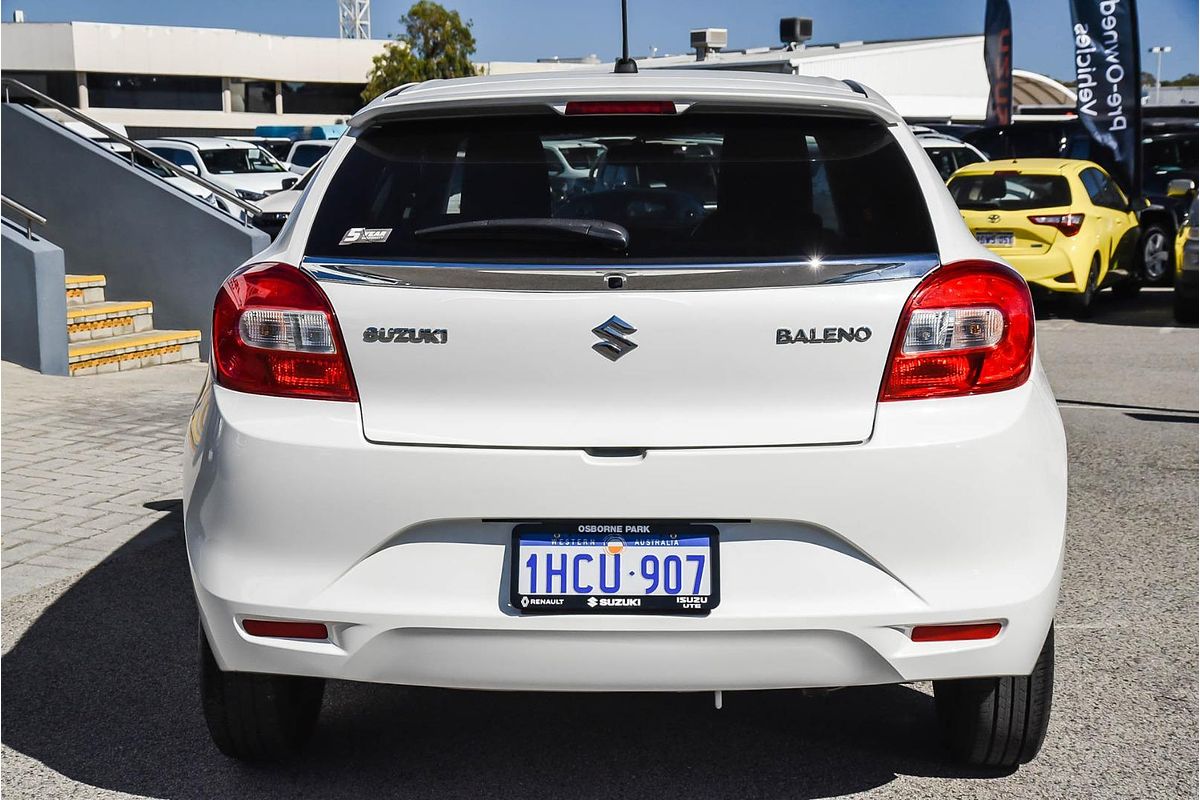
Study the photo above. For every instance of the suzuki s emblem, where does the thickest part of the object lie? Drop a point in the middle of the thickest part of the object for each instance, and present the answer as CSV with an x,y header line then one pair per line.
x,y
993,217
613,332
591,601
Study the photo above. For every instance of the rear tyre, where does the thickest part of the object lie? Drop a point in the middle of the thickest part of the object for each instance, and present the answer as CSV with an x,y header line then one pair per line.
x,y
997,722
1081,304
255,717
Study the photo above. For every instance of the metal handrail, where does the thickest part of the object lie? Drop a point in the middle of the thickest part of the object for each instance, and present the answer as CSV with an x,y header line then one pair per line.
x,y
133,146
29,215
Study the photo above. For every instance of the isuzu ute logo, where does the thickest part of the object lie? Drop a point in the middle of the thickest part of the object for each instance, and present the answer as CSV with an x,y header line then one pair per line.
x,y
613,332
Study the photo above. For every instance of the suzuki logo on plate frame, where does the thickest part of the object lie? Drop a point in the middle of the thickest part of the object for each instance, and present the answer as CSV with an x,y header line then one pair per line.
x,y
613,331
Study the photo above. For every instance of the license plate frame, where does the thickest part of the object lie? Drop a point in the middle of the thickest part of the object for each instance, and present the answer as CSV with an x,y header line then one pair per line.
x,y
996,238
681,604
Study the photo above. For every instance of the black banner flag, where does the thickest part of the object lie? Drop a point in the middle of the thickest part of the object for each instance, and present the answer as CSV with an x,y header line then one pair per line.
x,y
1108,75
997,56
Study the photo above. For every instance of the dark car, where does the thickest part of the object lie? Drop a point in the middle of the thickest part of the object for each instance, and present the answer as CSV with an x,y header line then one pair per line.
x,y
1169,153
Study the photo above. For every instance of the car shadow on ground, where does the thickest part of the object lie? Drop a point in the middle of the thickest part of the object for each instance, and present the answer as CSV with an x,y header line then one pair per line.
x,y
1151,307
102,688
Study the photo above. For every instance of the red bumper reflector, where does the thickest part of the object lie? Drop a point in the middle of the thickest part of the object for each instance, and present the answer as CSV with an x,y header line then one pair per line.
x,y
620,107
955,633
285,630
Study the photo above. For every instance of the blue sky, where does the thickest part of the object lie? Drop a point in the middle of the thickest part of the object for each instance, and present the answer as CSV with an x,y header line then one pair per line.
x,y
520,30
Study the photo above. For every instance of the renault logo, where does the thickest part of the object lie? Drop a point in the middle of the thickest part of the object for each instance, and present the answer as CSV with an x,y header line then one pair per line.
x,y
613,332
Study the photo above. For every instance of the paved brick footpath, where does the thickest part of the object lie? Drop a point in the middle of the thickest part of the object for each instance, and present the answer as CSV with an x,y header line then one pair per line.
x,y
86,464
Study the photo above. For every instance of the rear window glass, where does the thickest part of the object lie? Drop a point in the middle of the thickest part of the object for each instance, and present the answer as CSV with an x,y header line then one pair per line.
x,y
945,159
1010,191
306,155
694,188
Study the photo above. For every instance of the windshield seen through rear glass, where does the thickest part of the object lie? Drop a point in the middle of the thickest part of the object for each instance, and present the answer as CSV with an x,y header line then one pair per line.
x,y
229,161
1010,191
695,187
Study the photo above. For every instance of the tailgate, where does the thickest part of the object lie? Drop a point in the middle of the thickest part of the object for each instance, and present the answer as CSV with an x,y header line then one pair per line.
x,y
674,369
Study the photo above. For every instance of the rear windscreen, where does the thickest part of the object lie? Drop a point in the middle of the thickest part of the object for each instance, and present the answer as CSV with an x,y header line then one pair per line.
x,y
1010,192
695,188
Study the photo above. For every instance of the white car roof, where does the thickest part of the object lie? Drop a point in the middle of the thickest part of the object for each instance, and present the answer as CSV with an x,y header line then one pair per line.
x,y
200,143
940,141
682,86
321,142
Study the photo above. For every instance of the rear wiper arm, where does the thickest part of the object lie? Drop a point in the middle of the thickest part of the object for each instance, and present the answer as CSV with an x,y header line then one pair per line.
x,y
535,229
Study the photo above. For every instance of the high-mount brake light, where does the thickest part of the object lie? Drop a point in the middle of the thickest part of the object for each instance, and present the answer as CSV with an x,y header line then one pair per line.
x,y
275,333
1067,224
580,107
966,329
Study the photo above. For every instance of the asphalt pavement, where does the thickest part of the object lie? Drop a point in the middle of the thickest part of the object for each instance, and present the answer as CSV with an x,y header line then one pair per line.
x,y
100,697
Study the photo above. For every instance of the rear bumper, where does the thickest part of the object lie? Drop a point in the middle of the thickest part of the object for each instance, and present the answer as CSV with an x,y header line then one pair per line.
x,y
1051,270
952,512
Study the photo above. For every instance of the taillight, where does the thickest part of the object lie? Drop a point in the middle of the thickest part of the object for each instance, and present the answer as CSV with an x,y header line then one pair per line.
x,y
1067,224
579,107
275,333
966,329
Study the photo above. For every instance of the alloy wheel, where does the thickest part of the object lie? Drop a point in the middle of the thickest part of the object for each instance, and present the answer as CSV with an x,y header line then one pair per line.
x,y
1155,258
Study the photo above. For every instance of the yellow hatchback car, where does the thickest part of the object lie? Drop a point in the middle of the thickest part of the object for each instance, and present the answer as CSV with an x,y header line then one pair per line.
x,y
1063,224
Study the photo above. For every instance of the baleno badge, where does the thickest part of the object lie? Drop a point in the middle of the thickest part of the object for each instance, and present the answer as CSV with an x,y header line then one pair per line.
x,y
613,332
822,336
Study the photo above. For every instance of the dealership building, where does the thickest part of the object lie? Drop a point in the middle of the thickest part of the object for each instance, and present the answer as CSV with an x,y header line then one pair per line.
x,y
157,80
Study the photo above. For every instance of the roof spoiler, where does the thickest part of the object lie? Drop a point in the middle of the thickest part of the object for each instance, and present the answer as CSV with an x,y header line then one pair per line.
x,y
868,92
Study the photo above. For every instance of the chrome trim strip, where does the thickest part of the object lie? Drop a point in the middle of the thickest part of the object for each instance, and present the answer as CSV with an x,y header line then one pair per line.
x,y
640,277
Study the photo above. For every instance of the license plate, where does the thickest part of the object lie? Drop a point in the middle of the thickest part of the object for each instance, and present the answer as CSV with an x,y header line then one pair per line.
x,y
614,568
995,239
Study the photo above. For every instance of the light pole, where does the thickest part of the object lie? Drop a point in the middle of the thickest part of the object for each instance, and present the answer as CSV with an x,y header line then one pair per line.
x,y
1158,50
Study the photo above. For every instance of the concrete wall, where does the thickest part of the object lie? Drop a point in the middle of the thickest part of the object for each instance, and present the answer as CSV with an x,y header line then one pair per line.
x,y
153,241
33,302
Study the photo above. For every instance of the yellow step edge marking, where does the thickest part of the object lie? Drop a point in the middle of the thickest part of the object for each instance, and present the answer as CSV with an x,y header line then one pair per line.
x,y
147,339
96,362
96,309
99,324
71,279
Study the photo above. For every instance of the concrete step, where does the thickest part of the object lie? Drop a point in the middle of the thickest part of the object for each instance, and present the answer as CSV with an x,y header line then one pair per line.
x,y
91,321
133,351
85,289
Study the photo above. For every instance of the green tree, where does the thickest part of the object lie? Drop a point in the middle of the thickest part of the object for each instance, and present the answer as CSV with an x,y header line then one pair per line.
x,y
436,43
1190,79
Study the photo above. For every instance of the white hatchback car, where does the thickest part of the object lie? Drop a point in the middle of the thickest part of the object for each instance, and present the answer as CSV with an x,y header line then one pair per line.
x,y
244,168
627,440
948,153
